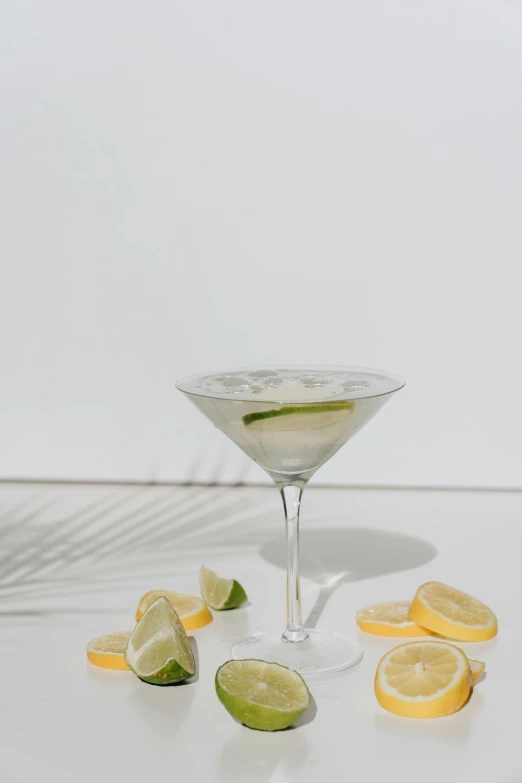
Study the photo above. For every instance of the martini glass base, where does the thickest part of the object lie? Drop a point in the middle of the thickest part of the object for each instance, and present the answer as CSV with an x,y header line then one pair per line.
x,y
323,652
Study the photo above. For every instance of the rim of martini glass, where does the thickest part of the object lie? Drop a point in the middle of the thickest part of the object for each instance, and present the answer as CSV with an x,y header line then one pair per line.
x,y
188,380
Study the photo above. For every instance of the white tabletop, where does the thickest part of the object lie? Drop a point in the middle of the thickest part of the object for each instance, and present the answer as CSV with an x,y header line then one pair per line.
x,y
74,561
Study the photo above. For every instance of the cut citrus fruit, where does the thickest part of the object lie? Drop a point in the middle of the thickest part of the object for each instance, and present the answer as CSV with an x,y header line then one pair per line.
x,y
449,612
108,651
159,650
262,695
389,619
190,609
477,667
299,417
220,593
426,679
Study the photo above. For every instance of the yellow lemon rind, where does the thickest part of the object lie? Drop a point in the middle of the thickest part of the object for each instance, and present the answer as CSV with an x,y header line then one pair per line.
x,y
107,659
425,616
440,706
477,668
407,630
190,622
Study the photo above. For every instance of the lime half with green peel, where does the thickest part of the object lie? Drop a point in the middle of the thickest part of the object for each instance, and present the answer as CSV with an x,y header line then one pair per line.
x,y
220,593
264,696
159,651
299,417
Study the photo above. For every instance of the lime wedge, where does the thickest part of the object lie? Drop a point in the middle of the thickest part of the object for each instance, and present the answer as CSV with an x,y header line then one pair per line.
x,y
158,650
262,695
220,593
299,417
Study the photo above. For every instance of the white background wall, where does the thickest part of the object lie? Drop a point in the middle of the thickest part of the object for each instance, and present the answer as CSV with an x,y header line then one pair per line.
x,y
191,185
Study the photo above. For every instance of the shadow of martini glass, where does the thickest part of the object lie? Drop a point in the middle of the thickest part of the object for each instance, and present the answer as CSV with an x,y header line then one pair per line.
x,y
334,556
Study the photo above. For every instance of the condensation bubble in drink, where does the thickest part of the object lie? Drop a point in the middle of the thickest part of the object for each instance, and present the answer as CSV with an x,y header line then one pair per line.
x,y
233,381
355,385
314,380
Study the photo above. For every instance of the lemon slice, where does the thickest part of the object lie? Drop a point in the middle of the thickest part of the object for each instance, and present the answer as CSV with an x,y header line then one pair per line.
x,y
190,609
426,679
220,593
477,667
159,651
389,619
262,695
108,651
449,612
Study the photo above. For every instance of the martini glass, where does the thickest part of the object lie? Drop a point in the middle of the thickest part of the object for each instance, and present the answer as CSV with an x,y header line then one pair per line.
x,y
291,420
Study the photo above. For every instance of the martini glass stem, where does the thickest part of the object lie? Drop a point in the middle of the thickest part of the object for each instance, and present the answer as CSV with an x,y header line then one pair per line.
x,y
295,631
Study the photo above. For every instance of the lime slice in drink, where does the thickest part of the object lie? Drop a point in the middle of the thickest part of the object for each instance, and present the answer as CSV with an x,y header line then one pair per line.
x,y
299,417
220,593
262,695
158,650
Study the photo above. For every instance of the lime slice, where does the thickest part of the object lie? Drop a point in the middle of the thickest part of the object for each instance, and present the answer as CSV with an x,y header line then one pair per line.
x,y
220,593
158,650
262,695
299,417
